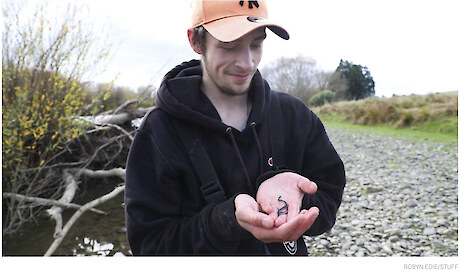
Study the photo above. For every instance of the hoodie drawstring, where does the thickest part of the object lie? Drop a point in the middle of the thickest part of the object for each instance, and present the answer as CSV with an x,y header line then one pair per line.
x,y
240,158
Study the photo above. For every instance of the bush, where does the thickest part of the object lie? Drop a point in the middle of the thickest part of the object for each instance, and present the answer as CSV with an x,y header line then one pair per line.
x,y
43,63
322,98
37,116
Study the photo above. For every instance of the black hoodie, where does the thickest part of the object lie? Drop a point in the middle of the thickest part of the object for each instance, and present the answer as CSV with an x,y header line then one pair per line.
x,y
166,212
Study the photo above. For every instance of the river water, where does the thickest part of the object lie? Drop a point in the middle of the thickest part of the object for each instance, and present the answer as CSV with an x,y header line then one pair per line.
x,y
91,235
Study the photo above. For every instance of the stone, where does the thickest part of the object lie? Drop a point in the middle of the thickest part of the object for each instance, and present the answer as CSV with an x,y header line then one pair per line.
x,y
407,214
438,244
371,190
324,242
346,246
411,203
387,249
335,232
388,203
442,222
345,225
429,231
393,231
393,238
371,248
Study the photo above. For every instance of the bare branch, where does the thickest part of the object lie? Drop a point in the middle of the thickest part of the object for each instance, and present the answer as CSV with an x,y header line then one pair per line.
x,y
116,119
104,173
118,128
125,105
77,215
45,201
69,192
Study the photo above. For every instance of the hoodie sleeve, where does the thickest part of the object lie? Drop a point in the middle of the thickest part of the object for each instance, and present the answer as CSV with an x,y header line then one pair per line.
x,y
157,217
323,166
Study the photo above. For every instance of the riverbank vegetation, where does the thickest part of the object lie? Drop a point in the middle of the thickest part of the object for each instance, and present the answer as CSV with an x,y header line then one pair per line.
x,y
434,114
58,129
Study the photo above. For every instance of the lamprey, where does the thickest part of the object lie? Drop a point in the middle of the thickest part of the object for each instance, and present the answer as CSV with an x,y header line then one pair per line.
x,y
283,210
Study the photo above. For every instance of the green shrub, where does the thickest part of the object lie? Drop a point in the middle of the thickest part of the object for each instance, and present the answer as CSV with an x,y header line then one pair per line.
x,y
322,98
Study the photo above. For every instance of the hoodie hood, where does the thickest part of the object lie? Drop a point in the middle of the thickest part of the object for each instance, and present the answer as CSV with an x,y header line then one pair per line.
x,y
180,96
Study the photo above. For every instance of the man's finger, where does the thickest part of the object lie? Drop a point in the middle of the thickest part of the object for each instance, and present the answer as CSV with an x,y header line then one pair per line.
x,y
307,186
292,230
280,220
269,209
257,219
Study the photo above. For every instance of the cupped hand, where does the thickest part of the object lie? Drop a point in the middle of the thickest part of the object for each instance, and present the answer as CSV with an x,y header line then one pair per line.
x,y
261,225
291,187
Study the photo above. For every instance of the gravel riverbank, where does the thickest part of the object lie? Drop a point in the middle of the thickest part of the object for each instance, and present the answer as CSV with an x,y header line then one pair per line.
x,y
401,198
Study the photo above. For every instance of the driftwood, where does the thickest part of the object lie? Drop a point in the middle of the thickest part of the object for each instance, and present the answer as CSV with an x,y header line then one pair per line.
x,y
45,201
57,241
64,202
103,173
55,212
125,105
115,119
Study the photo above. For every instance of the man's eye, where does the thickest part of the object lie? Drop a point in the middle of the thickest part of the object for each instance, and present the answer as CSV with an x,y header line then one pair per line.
x,y
229,48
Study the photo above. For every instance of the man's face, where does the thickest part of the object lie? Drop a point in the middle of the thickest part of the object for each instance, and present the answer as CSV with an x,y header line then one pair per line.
x,y
228,67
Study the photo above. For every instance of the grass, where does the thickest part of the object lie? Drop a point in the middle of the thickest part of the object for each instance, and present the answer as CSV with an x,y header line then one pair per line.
x,y
396,133
432,116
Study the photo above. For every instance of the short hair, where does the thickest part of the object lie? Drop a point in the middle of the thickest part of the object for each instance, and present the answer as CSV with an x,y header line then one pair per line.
x,y
199,37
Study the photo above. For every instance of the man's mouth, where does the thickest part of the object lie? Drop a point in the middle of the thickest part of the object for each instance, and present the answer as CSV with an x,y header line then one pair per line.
x,y
240,77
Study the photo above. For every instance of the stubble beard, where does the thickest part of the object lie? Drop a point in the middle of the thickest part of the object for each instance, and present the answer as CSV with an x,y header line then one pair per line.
x,y
224,89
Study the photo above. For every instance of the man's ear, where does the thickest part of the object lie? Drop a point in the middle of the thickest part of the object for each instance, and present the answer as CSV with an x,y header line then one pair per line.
x,y
193,42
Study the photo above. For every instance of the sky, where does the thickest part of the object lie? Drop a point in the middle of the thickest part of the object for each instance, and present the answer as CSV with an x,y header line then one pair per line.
x,y
410,47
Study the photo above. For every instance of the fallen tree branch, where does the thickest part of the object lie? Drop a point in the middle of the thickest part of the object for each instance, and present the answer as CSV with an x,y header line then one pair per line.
x,y
77,215
45,201
103,173
110,126
116,119
55,212
125,105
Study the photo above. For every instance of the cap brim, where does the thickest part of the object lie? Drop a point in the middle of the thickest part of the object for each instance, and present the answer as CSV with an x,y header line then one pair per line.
x,y
231,28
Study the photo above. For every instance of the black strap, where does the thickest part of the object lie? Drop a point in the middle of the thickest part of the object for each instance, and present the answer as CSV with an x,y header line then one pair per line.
x,y
210,186
275,129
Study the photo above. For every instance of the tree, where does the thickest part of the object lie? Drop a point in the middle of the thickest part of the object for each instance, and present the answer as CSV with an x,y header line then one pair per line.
x,y
43,63
360,83
338,84
294,75
323,79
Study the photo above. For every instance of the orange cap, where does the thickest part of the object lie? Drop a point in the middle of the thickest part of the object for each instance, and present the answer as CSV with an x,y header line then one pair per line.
x,y
228,20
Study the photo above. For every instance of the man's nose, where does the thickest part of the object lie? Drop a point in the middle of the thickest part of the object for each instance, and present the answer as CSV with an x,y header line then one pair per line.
x,y
245,59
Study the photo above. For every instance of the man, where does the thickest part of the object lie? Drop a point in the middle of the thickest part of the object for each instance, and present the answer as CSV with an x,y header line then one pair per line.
x,y
224,165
